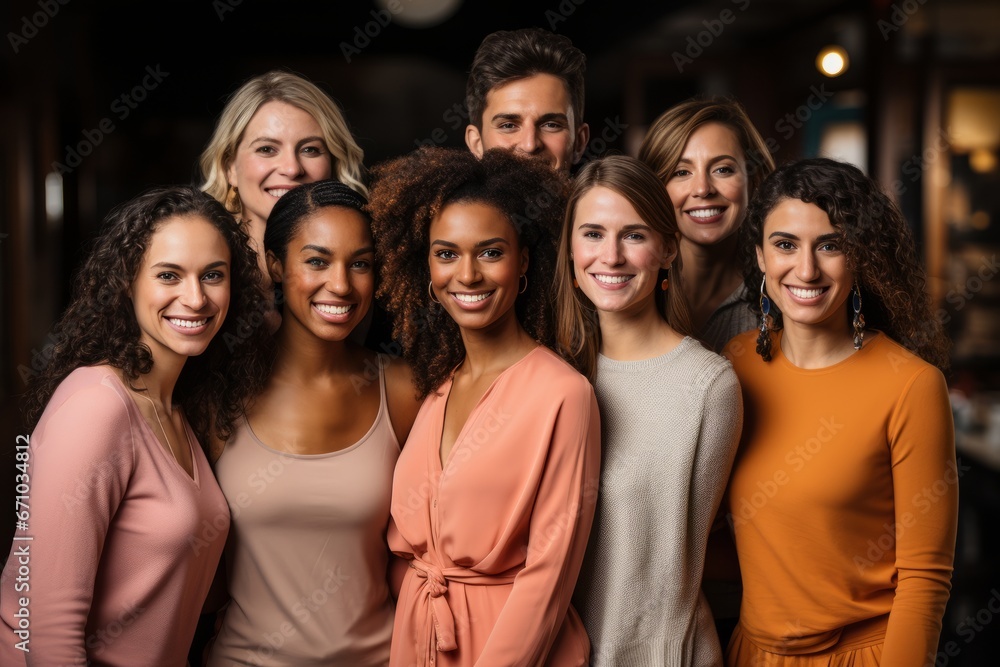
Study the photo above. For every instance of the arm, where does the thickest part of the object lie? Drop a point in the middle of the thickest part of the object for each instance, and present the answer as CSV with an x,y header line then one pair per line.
x,y
721,427
401,397
80,469
557,538
925,494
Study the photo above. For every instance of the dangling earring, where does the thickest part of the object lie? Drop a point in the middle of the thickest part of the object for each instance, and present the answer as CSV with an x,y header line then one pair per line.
x,y
233,203
430,292
665,283
576,285
764,337
525,288
859,319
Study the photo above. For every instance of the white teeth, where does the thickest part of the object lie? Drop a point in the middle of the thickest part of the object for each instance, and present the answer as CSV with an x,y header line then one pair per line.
x,y
705,212
612,280
805,293
187,324
472,298
278,193
333,310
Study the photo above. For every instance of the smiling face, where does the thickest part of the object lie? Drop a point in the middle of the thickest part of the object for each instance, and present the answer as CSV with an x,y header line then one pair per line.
x,y
805,268
616,255
708,188
328,275
281,148
476,263
533,116
181,292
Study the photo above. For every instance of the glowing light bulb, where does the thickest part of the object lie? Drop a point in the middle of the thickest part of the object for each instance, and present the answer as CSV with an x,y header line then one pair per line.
x,y
832,61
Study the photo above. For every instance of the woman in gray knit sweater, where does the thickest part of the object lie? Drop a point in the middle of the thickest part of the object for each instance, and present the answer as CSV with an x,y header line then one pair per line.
x,y
671,417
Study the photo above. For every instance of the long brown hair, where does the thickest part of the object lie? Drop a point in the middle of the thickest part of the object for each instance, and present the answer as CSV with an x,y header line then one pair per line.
x,y
578,333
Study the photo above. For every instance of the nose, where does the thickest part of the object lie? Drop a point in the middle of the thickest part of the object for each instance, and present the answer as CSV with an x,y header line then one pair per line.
x,y
468,271
806,269
528,141
337,280
703,185
194,296
610,252
290,164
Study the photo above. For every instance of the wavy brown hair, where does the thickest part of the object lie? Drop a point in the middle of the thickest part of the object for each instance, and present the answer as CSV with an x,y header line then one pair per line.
x,y
408,193
664,143
99,325
578,331
877,244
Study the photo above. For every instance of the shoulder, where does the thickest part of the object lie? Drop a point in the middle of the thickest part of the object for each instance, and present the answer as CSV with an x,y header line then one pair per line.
x,y
704,366
543,372
93,392
90,405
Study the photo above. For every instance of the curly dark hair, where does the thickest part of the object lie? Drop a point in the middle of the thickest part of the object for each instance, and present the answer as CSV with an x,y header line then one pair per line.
x,y
99,325
508,55
877,244
409,192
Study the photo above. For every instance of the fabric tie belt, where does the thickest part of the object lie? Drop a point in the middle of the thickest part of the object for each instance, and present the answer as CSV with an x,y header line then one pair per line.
x,y
440,624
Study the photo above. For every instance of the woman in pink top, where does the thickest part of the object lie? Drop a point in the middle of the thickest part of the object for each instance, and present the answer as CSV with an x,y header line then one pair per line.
x,y
493,495
121,523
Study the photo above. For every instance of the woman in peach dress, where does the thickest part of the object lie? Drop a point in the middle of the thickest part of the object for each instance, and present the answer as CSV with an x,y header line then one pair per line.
x,y
494,492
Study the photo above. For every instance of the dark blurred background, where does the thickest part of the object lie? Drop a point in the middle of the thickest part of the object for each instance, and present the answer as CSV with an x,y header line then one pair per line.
x,y
918,107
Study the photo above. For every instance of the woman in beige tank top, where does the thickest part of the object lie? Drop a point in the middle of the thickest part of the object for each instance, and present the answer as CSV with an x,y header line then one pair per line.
x,y
308,472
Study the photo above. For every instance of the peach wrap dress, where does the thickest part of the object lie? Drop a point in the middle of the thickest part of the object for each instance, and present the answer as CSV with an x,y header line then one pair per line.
x,y
495,537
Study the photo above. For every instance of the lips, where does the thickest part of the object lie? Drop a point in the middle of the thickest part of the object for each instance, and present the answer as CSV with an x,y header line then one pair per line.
x,y
802,293
187,325
471,300
278,193
612,280
335,313
706,215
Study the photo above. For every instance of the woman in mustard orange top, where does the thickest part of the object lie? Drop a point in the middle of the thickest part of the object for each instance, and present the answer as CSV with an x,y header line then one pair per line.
x,y
844,495
493,494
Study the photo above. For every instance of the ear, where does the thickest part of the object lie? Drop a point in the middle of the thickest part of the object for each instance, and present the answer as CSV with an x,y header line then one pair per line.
x,y
524,261
474,140
671,247
231,174
581,139
760,259
274,267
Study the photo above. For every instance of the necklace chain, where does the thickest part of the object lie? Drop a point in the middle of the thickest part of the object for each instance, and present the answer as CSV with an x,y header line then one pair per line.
x,y
157,415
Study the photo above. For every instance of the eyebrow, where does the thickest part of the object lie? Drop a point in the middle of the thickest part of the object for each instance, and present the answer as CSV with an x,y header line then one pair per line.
x,y
819,239
326,251
272,140
626,228
714,159
481,244
541,119
177,267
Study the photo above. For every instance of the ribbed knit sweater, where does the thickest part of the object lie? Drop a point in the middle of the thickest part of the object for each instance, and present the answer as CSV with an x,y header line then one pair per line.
x,y
670,428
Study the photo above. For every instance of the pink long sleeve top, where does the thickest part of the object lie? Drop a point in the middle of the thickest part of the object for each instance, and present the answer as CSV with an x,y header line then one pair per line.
x,y
495,537
121,543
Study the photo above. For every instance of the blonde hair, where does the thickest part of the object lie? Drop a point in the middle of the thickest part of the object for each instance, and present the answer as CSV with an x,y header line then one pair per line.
x,y
578,333
291,89
664,143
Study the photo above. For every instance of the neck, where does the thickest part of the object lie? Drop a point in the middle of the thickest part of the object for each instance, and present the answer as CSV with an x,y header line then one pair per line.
x,y
495,349
816,346
301,354
709,269
161,380
633,336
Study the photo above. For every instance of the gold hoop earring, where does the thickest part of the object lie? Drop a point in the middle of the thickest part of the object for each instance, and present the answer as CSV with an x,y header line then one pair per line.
x,y
525,288
430,292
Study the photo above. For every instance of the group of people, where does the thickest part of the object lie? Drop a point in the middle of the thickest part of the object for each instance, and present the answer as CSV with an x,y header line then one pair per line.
x,y
598,398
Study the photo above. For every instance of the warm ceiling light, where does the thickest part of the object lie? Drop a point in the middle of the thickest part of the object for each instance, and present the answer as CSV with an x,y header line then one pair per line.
x,y
832,61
